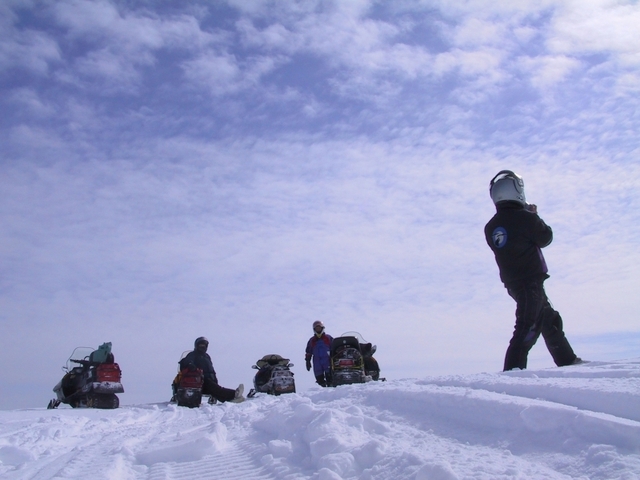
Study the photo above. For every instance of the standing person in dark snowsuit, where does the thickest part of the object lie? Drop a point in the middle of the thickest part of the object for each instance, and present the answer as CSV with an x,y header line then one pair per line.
x,y
516,235
319,349
199,358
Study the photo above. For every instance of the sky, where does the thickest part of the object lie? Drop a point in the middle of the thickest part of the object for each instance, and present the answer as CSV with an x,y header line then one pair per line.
x,y
238,169
578,422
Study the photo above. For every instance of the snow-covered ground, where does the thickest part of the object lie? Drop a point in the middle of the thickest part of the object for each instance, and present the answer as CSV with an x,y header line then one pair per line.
x,y
573,422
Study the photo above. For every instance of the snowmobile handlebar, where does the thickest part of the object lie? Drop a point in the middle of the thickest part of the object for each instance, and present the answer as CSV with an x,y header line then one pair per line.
x,y
288,365
85,363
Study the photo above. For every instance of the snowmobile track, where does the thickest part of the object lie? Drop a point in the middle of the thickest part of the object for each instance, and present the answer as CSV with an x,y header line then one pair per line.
x,y
232,463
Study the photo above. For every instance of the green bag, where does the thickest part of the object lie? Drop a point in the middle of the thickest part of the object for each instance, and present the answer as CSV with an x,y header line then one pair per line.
x,y
101,354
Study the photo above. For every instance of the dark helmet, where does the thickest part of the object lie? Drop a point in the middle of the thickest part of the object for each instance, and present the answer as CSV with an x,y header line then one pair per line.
x,y
507,186
201,341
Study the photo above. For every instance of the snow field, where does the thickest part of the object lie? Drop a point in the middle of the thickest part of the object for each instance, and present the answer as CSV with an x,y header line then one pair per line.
x,y
515,425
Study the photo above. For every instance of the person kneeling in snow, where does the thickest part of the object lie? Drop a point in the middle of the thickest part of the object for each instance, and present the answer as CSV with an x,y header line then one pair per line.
x,y
199,358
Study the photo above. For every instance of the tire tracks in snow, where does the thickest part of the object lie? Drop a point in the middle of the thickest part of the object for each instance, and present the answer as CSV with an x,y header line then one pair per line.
x,y
156,442
83,443
215,446
231,463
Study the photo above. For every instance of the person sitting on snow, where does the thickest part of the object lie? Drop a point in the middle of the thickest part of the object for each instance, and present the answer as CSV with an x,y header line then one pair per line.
x,y
199,358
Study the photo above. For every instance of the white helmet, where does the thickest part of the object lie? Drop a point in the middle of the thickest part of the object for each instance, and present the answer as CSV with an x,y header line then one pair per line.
x,y
507,186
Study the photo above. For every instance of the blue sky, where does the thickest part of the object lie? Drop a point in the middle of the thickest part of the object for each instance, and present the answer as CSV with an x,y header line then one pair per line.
x,y
240,169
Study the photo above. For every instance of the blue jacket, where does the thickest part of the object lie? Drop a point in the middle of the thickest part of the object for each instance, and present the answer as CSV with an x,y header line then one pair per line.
x,y
320,349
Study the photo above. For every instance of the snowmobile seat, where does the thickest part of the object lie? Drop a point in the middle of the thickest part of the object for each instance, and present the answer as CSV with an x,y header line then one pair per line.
x,y
341,343
272,359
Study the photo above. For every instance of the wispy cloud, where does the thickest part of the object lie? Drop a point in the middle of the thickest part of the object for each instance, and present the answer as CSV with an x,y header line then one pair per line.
x,y
25,48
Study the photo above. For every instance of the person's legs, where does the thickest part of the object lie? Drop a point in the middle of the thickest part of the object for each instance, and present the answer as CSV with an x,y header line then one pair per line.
x,y
216,391
328,378
529,301
554,336
320,380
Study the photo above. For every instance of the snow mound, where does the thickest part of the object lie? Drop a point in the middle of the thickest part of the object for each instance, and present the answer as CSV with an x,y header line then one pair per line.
x,y
574,422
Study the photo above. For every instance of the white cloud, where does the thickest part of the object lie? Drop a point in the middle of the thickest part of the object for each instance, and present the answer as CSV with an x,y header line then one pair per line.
x,y
29,49
114,69
628,83
223,74
525,34
470,63
473,32
120,42
548,70
29,99
102,20
597,26
219,73
340,34
273,37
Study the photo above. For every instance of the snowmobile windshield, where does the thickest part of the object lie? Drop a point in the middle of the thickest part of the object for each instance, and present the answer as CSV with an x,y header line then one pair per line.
x,y
359,337
79,353
184,354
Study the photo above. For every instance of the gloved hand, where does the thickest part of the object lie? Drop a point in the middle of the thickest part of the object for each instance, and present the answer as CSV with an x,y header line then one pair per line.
x,y
308,365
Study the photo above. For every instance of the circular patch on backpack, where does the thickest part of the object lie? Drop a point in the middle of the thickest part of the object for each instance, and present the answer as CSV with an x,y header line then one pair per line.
x,y
499,237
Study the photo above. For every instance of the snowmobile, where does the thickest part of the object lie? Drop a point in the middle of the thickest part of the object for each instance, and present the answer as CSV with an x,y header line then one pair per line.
x,y
92,379
273,377
352,360
187,387
371,366
347,363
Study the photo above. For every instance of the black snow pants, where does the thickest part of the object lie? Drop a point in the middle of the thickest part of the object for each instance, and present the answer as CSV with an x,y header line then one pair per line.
x,y
216,391
324,379
534,317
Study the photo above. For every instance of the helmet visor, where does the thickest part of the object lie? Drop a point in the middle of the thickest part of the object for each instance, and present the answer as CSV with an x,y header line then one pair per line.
x,y
508,174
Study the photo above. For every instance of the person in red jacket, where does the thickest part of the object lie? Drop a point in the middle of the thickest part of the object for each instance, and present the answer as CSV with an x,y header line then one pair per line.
x,y
516,235
319,349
